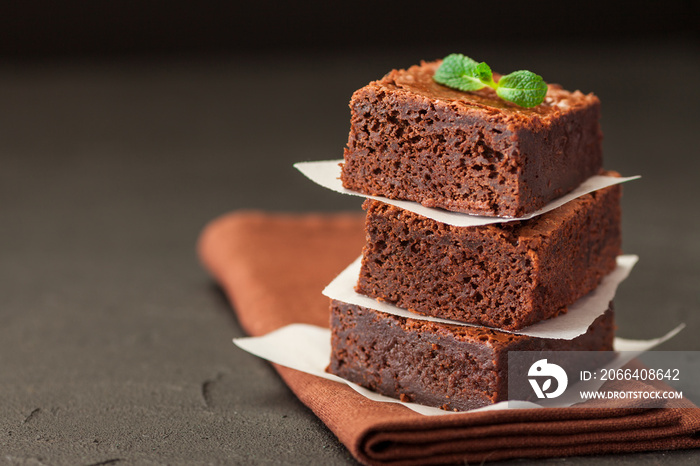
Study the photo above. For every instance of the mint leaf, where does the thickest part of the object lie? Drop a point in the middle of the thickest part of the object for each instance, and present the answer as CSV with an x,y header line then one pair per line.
x,y
463,73
523,88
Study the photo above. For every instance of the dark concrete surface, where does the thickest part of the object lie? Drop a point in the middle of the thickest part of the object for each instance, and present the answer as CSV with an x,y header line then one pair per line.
x,y
115,346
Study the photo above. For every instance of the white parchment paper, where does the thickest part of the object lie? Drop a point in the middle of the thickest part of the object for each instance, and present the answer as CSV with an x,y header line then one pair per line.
x,y
327,174
566,326
307,348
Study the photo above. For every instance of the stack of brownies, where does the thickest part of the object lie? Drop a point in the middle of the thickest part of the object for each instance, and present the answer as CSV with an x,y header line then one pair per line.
x,y
473,153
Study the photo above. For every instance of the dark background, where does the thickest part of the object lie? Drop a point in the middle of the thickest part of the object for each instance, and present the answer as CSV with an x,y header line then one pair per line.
x,y
178,28
126,126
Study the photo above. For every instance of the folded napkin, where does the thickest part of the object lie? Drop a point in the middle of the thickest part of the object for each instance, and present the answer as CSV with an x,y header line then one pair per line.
x,y
273,268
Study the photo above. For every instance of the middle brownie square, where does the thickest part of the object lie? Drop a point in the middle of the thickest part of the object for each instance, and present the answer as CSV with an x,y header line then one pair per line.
x,y
505,275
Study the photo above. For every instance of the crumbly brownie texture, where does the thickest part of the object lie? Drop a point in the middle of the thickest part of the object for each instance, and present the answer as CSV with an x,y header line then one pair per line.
x,y
447,366
411,138
508,275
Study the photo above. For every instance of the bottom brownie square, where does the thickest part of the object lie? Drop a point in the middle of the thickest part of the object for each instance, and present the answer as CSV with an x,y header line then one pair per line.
x,y
452,367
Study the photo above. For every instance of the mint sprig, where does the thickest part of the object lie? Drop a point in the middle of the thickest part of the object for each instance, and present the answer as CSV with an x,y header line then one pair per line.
x,y
523,88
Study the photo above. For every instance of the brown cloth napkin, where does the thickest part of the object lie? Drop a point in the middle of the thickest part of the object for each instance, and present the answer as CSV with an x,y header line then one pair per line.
x,y
273,268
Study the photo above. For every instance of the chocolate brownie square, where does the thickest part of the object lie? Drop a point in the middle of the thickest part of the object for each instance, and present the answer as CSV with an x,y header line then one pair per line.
x,y
504,275
453,367
414,139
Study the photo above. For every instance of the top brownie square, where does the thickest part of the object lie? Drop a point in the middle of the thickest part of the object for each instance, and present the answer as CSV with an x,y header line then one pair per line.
x,y
412,138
